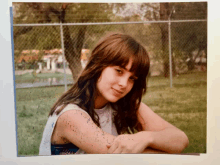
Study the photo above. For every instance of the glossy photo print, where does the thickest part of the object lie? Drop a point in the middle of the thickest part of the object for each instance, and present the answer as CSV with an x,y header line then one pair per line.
x,y
110,78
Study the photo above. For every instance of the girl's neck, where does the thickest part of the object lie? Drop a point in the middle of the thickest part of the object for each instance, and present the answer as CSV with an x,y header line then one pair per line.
x,y
99,106
100,103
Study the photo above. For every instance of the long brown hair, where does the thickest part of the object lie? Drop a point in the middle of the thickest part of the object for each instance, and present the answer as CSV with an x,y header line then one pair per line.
x,y
115,49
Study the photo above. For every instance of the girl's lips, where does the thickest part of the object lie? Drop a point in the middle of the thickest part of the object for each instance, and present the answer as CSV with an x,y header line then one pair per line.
x,y
117,92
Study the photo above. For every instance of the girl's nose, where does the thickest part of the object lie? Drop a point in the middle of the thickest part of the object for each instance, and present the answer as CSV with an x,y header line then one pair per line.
x,y
123,81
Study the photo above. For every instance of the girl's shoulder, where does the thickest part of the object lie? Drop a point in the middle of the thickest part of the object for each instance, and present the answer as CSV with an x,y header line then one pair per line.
x,y
70,107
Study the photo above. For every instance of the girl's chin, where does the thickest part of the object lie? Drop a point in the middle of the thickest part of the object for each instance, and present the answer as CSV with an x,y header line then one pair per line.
x,y
113,99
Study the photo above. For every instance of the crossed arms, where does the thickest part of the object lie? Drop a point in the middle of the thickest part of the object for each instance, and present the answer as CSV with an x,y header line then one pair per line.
x,y
157,136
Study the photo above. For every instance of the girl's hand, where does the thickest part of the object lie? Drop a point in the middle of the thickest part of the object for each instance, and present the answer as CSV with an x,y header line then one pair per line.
x,y
129,143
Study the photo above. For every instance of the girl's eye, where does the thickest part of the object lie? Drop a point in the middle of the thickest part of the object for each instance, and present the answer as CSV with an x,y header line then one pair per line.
x,y
119,71
133,78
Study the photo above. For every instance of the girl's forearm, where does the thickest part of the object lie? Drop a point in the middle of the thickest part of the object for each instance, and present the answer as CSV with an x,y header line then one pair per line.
x,y
170,140
153,151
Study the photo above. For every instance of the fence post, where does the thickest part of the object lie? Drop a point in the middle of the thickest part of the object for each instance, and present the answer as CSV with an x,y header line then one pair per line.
x,y
170,56
63,54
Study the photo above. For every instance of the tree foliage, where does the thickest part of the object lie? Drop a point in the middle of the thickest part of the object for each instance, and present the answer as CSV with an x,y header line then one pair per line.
x,y
189,36
186,36
56,13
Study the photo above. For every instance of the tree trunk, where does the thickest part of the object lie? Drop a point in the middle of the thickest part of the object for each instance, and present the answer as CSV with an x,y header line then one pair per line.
x,y
74,53
190,63
173,66
73,47
164,13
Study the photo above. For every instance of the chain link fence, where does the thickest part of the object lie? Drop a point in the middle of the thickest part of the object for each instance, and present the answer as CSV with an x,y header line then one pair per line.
x,y
40,50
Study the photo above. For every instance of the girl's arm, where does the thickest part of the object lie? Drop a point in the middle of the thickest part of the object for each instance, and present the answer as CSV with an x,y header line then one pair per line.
x,y
160,134
77,127
157,136
152,151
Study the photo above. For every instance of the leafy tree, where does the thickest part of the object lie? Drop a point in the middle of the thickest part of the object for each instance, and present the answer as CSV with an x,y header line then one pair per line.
x,y
159,38
65,13
165,14
189,36
186,37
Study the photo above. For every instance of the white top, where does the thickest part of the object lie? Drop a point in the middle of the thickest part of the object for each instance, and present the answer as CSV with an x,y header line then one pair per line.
x,y
105,120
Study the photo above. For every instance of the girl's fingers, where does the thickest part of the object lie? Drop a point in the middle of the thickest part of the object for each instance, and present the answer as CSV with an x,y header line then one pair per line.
x,y
118,150
124,152
112,148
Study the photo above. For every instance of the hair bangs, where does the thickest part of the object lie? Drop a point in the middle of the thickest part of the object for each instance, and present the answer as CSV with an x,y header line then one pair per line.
x,y
140,62
119,56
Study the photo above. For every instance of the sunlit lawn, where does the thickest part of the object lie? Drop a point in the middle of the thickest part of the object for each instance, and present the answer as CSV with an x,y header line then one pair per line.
x,y
184,105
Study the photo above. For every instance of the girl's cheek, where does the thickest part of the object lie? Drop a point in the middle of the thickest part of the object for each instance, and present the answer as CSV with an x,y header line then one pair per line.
x,y
130,87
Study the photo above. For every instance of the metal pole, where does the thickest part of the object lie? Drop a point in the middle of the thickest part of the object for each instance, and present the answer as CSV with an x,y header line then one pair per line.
x,y
109,23
63,54
170,55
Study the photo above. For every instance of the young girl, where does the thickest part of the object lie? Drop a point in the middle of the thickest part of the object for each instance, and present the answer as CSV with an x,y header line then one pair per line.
x,y
103,113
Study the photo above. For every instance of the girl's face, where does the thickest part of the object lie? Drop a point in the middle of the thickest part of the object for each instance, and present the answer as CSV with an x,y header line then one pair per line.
x,y
113,84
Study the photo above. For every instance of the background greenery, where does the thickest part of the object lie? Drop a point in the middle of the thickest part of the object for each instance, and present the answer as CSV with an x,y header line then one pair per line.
x,y
183,105
186,37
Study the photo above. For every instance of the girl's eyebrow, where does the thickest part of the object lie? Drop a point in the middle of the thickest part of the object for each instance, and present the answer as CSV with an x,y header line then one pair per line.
x,y
124,68
129,71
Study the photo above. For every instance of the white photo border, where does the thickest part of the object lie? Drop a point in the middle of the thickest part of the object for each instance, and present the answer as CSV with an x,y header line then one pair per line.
x,y
8,141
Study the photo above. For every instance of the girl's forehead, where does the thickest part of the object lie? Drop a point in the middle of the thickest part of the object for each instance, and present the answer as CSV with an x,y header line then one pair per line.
x,y
128,67
128,64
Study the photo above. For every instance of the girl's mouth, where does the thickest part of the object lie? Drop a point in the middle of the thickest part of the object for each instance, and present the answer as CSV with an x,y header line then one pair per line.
x,y
117,92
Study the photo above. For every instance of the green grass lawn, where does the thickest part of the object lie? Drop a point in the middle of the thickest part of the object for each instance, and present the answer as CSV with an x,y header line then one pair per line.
x,y
183,105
